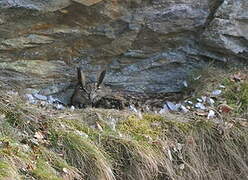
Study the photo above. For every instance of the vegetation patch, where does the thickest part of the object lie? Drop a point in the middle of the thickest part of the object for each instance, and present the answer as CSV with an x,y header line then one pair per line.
x,y
236,95
142,129
42,143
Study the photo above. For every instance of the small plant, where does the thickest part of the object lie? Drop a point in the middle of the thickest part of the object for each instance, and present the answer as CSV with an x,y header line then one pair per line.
x,y
236,95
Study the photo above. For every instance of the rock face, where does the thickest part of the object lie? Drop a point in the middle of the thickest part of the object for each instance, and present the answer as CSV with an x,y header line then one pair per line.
x,y
147,46
226,36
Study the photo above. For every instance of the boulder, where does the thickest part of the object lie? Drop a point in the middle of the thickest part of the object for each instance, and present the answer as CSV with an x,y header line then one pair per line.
x,y
146,46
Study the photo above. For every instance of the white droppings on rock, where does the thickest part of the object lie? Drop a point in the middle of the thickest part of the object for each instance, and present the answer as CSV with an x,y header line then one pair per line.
x,y
72,108
30,98
185,84
40,97
50,100
210,101
59,107
222,86
204,98
200,106
197,78
189,102
216,92
211,114
132,108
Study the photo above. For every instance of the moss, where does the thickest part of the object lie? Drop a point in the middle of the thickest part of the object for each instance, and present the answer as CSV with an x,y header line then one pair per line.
x,y
152,126
182,127
44,171
141,129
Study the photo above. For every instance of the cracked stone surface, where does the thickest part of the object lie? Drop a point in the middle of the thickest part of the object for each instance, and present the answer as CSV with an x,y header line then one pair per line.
x,y
146,46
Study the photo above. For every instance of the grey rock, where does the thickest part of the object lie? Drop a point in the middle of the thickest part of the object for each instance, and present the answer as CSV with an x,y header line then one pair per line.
x,y
30,41
147,46
164,110
173,107
44,5
227,34
30,98
88,2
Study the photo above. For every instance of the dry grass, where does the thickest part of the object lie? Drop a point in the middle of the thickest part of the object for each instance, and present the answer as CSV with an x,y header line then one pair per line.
x,y
42,143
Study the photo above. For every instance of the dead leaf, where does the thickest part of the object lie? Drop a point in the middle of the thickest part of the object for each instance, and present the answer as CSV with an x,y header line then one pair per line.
x,y
201,113
224,108
99,127
244,124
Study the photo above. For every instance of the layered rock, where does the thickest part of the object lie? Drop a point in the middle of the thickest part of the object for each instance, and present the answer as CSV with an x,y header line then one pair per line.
x,y
147,46
226,37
